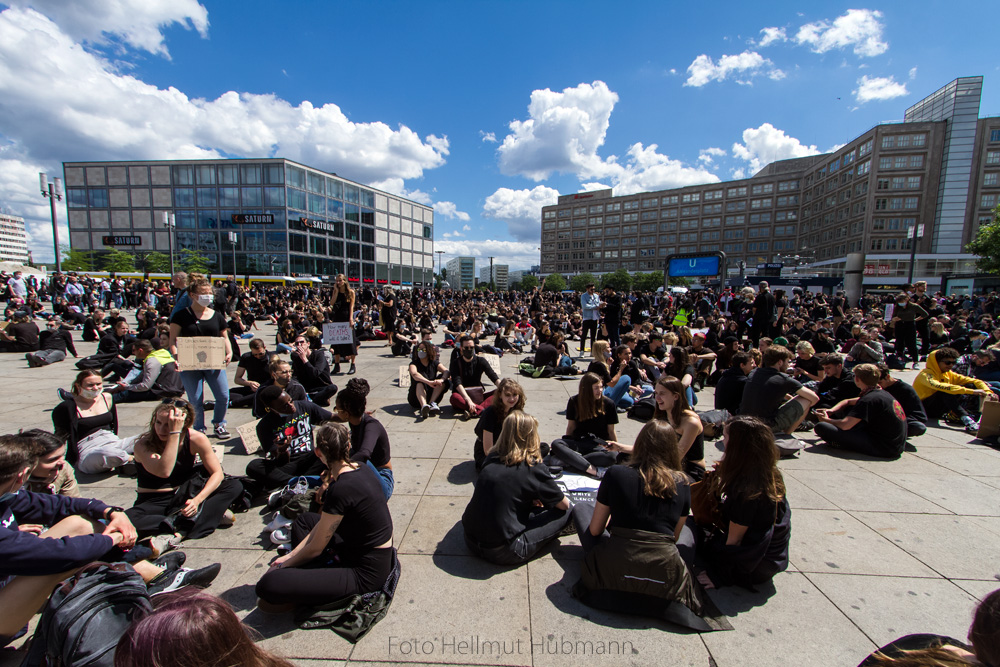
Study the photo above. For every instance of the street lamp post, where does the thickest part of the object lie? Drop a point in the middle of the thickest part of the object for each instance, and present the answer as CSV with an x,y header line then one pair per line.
x,y
439,253
53,191
233,238
169,221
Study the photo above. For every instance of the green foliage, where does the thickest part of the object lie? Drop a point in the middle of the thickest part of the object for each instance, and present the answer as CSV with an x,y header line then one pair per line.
x,y
444,274
620,280
678,281
193,261
579,282
554,283
156,262
515,286
647,282
118,261
76,260
987,245
528,283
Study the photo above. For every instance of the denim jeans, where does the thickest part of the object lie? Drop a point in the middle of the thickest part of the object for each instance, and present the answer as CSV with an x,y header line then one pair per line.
x,y
619,393
46,357
193,385
386,478
689,393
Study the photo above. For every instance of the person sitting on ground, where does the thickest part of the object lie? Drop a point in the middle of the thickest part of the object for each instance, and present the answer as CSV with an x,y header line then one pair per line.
x,y
673,408
652,355
766,395
617,387
176,494
51,474
590,422
428,380
680,367
346,549
516,508
873,423
159,379
87,420
285,433
807,368
20,336
553,354
702,358
509,397
114,348
191,628
624,364
281,375
468,396
867,350
916,417
53,344
732,382
941,390
94,326
34,559
251,374
369,439
750,492
838,382
312,370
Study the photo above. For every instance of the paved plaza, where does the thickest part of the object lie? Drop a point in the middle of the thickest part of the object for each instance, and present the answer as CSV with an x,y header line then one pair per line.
x,y
879,549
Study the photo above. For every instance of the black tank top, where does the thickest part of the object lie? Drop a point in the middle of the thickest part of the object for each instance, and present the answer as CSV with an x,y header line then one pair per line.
x,y
183,469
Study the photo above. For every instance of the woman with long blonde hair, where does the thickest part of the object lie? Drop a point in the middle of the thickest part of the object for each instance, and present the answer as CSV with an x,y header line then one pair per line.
x,y
517,508
343,311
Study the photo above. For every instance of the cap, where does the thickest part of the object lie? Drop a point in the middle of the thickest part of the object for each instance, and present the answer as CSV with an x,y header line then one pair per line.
x,y
699,335
781,340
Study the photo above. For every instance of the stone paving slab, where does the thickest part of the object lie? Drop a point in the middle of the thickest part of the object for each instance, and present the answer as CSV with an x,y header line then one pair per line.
x,y
879,548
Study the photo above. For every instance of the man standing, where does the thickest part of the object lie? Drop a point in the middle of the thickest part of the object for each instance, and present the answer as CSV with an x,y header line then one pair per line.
x,y
613,315
764,312
18,288
590,303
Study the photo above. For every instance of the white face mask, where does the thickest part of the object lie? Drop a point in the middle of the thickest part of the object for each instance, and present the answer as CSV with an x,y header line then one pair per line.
x,y
205,300
91,393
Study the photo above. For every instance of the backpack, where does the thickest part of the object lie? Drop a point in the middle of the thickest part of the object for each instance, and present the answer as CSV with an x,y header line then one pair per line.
x,y
712,423
643,409
87,615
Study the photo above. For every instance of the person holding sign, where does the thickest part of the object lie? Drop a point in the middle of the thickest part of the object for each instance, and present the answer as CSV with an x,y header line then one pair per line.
x,y
202,322
343,311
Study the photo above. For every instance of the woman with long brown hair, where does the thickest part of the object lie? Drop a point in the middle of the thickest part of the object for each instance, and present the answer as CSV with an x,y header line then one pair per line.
x,y
343,311
590,423
672,407
509,396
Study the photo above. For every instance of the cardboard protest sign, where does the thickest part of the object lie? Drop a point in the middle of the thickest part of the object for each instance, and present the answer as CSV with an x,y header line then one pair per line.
x,y
201,353
337,333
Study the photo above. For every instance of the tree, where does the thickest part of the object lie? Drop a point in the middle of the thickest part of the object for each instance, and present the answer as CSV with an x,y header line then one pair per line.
x,y
155,262
648,282
193,261
444,274
987,245
514,286
76,260
579,282
528,283
620,280
555,283
118,261
679,281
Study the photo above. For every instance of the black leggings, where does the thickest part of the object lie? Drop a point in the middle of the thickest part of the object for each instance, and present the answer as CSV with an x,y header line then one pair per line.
x,y
857,439
318,582
939,403
591,326
581,454
242,397
321,395
150,511
271,474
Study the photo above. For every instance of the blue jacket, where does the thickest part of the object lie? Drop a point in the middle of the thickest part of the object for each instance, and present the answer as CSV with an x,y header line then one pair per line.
x,y
590,304
29,555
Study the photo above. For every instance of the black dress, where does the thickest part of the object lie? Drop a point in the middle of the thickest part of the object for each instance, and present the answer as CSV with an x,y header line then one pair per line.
x,y
342,313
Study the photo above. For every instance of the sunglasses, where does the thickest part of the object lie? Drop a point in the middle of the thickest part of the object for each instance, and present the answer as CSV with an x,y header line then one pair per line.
x,y
177,402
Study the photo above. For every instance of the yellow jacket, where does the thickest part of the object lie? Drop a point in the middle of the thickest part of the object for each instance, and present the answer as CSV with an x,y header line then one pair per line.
x,y
931,379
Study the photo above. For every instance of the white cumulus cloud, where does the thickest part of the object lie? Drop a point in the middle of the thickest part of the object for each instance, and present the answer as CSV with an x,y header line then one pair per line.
x,y
765,144
742,67
859,29
645,169
878,88
708,155
450,210
137,23
488,137
771,35
515,254
520,209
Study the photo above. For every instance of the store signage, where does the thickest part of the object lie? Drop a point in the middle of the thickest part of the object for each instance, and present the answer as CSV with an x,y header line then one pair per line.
x,y
704,266
253,218
121,240
877,270
318,224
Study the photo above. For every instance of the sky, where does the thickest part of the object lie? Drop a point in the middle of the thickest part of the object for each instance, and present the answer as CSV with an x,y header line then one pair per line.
x,y
485,110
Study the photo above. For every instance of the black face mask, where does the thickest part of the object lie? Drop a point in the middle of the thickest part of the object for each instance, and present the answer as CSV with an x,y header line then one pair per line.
x,y
468,353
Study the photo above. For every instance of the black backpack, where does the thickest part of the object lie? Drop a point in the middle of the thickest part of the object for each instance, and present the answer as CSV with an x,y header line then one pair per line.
x,y
87,615
643,409
712,423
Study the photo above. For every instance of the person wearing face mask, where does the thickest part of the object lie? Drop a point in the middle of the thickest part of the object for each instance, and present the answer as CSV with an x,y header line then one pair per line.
x,y
468,397
202,320
285,432
904,317
617,386
428,380
312,370
281,375
53,344
87,420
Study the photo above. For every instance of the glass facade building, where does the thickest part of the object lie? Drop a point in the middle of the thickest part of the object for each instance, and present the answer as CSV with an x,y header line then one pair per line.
x,y
323,224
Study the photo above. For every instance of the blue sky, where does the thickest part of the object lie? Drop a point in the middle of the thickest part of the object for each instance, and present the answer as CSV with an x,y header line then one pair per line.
x,y
486,110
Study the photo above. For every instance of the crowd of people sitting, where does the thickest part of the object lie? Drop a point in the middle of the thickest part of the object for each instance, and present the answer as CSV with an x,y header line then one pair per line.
x,y
780,363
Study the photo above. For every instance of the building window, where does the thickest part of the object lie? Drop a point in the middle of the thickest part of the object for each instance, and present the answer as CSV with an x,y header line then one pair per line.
x,y
669,201
994,135
992,157
990,178
988,201
630,205
737,192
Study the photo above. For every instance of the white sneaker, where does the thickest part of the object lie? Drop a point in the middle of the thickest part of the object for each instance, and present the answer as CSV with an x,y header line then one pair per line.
x,y
277,523
435,408
228,519
281,536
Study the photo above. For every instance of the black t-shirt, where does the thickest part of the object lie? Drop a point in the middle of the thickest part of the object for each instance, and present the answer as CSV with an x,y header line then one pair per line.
x,y
600,370
631,370
298,428
256,369
884,416
810,365
757,514
765,393
597,425
659,355
908,398
546,355
191,326
370,442
489,421
357,496
622,490
504,499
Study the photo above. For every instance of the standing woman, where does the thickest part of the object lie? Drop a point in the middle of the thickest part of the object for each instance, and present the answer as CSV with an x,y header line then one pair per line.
x,y
673,408
200,319
369,439
388,314
343,311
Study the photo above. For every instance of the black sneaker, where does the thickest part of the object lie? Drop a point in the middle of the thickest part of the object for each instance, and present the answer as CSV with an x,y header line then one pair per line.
x,y
170,561
64,395
201,578
336,369
806,425
221,433
352,370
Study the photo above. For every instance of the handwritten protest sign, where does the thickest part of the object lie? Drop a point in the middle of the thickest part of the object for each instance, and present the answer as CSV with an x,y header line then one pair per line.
x,y
201,353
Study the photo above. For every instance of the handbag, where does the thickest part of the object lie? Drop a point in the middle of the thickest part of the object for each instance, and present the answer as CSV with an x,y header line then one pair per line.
x,y
705,503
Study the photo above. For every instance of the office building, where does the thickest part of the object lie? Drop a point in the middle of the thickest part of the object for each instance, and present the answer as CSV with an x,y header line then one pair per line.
x,y
323,224
461,272
13,239
937,171
499,277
